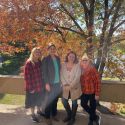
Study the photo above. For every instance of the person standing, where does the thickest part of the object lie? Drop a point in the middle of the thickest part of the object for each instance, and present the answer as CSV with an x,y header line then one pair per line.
x,y
70,79
90,83
33,83
51,78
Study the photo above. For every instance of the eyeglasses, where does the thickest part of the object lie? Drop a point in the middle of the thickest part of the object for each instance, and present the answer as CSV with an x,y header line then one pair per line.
x,y
84,60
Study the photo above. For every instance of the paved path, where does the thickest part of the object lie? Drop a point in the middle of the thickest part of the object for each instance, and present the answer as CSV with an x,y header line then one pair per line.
x,y
17,115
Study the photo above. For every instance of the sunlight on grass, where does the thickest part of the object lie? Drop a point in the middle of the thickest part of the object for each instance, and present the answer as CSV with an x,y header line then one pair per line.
x,y
60,105
20,100
12,99
112,79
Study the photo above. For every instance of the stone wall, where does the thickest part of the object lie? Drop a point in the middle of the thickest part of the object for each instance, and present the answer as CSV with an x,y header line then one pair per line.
x,y
111,91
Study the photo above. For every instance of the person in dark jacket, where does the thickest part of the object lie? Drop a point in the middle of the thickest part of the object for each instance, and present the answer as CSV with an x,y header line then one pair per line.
x,y
51,78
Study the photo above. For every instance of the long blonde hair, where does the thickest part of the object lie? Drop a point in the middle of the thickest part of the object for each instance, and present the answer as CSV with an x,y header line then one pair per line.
x,y
31,58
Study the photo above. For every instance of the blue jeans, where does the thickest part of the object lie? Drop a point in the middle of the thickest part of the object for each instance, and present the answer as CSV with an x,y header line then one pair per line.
x,y
71,112
66,102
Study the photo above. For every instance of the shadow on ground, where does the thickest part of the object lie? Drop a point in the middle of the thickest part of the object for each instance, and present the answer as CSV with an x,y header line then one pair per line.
x,y
104,110
19,116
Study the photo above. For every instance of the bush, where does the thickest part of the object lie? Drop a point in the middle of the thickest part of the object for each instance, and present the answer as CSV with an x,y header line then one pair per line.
x,y
12,64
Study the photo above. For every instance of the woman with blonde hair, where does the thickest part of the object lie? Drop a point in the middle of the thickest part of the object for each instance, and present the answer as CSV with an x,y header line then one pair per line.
x,y
33,82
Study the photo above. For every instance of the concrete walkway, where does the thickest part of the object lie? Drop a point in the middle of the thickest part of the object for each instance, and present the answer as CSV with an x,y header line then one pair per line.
x,y
17,115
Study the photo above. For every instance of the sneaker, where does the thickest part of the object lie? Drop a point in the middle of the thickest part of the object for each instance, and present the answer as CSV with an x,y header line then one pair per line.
x,y
41,113
90,123
71,122
35,119
98,120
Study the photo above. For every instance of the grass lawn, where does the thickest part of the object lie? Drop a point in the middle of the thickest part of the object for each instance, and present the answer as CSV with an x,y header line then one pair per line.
x,y
113,79
19,100
12,99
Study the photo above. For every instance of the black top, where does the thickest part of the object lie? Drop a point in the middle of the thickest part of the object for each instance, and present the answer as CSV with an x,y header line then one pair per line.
x,y
48,70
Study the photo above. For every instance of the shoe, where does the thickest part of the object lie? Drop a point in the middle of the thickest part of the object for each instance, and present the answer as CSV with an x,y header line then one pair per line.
x,y
40,113
35,119
71,122
48,121
90,123
55,118
98,120
66,119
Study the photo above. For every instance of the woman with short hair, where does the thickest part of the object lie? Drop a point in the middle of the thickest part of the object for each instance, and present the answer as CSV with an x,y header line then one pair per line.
x,y
90,84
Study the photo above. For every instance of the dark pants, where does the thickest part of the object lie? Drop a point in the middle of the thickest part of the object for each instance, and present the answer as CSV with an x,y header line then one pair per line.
x,y
52,99
91,107
33,99
71,113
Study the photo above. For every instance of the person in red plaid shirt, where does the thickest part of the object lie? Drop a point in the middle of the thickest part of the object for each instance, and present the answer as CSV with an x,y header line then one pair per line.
x,y
90,84
33,82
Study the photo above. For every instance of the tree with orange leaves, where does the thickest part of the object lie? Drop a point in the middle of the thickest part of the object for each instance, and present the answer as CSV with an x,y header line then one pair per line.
x,y
95,25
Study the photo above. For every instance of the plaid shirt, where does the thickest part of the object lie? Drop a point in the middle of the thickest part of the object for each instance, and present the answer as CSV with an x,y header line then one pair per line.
x,y
33,76
90,81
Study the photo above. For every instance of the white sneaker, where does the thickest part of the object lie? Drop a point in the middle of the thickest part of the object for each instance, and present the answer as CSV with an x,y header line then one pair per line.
x,y
98,120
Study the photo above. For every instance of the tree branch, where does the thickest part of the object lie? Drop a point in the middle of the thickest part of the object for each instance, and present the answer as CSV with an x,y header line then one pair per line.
x,y
123,21
62,35
117,41
86,10
73,19
111,30
91,17
105,23
111,9
66,28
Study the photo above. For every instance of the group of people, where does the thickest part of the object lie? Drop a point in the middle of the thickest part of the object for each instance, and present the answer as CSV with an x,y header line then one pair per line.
x,y
48,79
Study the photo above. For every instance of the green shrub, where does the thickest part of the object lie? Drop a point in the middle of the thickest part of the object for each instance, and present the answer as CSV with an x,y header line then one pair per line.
x,y
12,64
